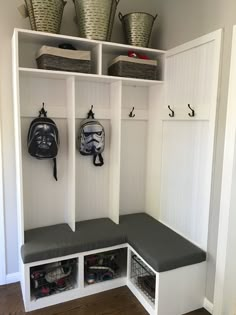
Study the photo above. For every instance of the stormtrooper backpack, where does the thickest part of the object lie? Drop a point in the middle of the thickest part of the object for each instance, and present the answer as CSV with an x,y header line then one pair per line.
x,y
43,139
91,139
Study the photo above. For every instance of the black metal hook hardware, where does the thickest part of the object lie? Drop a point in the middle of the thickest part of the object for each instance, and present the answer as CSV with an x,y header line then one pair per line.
x,y
172,112
43,112
91,114
131,113
192,114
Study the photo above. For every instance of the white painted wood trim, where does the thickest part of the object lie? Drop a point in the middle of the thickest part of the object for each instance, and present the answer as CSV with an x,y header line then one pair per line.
x,y
17,129
115,151
70,205
45,35
54,74
2,221
194,43
12,277
208,306
227,179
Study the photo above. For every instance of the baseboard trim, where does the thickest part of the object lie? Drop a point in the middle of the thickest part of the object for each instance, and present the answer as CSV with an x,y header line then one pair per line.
x,y
208,305
12,277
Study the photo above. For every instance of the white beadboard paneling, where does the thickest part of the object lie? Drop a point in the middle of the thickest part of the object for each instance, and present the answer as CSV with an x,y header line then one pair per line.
x,y
44,197
133,166
189,79
91,93
92,183
184,198
35,91
136,97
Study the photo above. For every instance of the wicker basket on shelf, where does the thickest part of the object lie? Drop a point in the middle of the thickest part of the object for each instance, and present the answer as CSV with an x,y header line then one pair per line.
x,y
53,58
45,15
95,18
123,66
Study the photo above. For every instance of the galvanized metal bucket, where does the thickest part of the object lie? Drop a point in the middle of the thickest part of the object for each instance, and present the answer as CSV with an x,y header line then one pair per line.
x,y
137,27
45,15
95,18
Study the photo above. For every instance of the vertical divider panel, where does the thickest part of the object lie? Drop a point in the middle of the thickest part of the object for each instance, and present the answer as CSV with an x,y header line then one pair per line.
x,y
70,211
17,129
154,149
97,59
115,149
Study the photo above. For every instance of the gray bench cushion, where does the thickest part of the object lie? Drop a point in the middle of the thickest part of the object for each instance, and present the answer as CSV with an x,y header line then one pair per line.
x,y
58,240
161,247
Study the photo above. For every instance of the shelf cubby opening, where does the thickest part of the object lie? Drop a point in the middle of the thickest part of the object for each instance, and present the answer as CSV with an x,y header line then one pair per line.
x,y
143,278
29,45
105,266
53,278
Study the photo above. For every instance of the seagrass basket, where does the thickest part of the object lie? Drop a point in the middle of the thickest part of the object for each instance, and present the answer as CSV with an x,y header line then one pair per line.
x,y
124,66
95,18
137,27
45,15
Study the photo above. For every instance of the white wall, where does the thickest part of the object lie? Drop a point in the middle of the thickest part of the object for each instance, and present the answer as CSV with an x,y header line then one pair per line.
x,y
225,293
184,20
10,18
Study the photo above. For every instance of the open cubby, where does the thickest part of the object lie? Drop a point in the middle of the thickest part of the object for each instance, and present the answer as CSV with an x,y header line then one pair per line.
x,y
143,278
53,278
105,266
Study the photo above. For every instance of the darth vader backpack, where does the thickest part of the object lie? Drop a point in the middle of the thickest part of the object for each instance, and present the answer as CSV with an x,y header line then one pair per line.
x,y
43,139
91,139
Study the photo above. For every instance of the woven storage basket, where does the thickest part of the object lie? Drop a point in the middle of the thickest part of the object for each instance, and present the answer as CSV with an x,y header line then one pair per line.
x,y
51,58
95,18
45,15
137,27
124,66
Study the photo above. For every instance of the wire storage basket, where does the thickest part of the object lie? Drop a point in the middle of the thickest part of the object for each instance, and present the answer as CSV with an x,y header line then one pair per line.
x,y
45,15
137,27
53,278
143,277
95,18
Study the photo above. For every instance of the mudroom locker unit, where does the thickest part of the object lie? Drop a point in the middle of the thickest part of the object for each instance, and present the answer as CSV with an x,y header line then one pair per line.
x,y
156,175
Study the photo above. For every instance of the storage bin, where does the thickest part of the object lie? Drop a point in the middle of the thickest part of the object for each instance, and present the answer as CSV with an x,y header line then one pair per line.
x,y
52,58
137,28
124,66
53,278
45,15
95,18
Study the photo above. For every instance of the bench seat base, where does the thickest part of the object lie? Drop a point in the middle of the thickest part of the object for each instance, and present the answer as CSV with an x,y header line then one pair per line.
x,y
178,291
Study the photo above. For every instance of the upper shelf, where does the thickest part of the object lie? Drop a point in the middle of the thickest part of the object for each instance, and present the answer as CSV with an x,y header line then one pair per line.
x,y
50,74
102,53
44,38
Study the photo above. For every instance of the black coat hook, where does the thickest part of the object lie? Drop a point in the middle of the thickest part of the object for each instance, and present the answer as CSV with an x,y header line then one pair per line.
x,y
172,112
91,114
43,112
192,114
131,113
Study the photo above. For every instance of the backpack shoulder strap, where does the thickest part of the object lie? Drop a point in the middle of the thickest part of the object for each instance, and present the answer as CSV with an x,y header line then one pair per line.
x,y
98,160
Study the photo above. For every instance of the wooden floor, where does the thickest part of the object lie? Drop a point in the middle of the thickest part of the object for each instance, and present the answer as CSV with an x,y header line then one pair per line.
x,y
115,302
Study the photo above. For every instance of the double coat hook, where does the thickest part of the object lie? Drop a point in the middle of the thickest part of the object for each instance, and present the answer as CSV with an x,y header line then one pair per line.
x,y
192,114
172,114
131,113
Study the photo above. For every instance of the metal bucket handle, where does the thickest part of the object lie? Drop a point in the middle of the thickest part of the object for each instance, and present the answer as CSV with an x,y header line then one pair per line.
x,y
120,16
154,18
